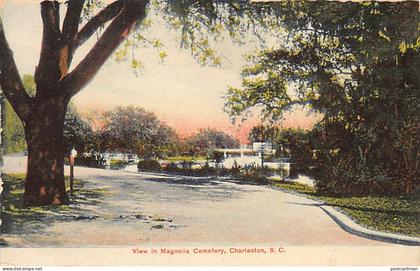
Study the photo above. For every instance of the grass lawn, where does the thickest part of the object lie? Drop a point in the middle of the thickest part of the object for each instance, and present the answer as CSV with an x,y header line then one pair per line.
x,y
185,158
388,214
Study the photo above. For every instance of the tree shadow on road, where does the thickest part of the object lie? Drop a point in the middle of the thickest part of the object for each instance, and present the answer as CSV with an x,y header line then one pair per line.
x,y
201,181
17,220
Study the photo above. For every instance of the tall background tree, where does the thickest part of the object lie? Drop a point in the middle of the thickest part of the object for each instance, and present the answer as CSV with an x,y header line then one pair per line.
x,y
262,133
205,140
77,131
357,64
133,130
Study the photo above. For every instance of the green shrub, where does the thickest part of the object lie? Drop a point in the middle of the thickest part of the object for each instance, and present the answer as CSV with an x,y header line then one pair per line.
x,y
247,173
149,166
253,173
349,176
207,170
89,161
117,164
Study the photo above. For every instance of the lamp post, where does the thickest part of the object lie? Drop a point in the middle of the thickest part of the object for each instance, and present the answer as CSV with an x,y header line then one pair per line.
x,y
73,154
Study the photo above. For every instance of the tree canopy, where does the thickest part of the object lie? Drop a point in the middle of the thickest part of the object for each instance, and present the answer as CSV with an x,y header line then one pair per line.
x,y
357,64
207,139
133,130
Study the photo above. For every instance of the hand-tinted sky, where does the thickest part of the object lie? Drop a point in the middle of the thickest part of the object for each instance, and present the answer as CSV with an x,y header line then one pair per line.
x,y
180,91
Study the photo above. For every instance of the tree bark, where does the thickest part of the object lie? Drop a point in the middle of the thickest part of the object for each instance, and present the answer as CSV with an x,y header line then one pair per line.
x,y
44,132
43,115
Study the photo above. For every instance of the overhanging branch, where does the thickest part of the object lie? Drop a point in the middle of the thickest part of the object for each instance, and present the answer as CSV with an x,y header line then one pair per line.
x,y
105,15
116,32
10,81
71,26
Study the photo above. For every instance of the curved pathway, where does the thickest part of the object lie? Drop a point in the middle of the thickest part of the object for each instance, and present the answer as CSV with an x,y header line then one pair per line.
x,y
137,208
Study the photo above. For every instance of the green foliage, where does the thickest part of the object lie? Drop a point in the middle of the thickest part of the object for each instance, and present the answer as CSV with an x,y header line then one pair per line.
x,y
295,187
137,131
358,65
390,214
248,173
89,161
185,168
347,176
236,169
117,164
149,166
296,144
198,26
77,131
13,132
251,173
262,133
288,143
185,158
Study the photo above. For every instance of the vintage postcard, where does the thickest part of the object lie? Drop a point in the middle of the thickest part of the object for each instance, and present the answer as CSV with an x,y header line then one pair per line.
x,y
180,132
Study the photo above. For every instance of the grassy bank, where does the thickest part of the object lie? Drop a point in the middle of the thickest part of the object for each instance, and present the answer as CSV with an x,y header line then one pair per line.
x,y
388,214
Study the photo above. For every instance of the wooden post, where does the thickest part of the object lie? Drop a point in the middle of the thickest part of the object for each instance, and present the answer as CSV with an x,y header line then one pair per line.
x,y
71,160
262,160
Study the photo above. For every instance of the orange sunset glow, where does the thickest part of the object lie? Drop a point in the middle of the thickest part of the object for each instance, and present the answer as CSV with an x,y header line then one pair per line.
x,y
181,92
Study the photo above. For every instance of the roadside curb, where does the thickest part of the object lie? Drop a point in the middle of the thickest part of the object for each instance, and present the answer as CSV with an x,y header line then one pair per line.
x,y
352,227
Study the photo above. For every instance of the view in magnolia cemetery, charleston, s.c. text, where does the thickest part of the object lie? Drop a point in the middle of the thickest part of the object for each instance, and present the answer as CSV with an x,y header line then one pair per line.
x,y
152,132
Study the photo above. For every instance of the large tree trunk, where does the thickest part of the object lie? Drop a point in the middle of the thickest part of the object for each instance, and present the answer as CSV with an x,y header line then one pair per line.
x,y
43,115
45,174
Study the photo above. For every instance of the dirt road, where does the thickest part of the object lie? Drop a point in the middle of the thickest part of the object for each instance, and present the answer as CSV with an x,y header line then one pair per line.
x,y
133,208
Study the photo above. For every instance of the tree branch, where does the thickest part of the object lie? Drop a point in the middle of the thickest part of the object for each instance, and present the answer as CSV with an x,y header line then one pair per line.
x,y
71,26
10,81
105,15
117,31
48,71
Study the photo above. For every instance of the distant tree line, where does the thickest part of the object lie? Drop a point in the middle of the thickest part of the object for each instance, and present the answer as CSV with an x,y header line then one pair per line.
x,y
129,130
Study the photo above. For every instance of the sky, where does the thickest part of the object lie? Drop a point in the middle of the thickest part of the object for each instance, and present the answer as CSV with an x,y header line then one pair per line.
x,y
181,92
